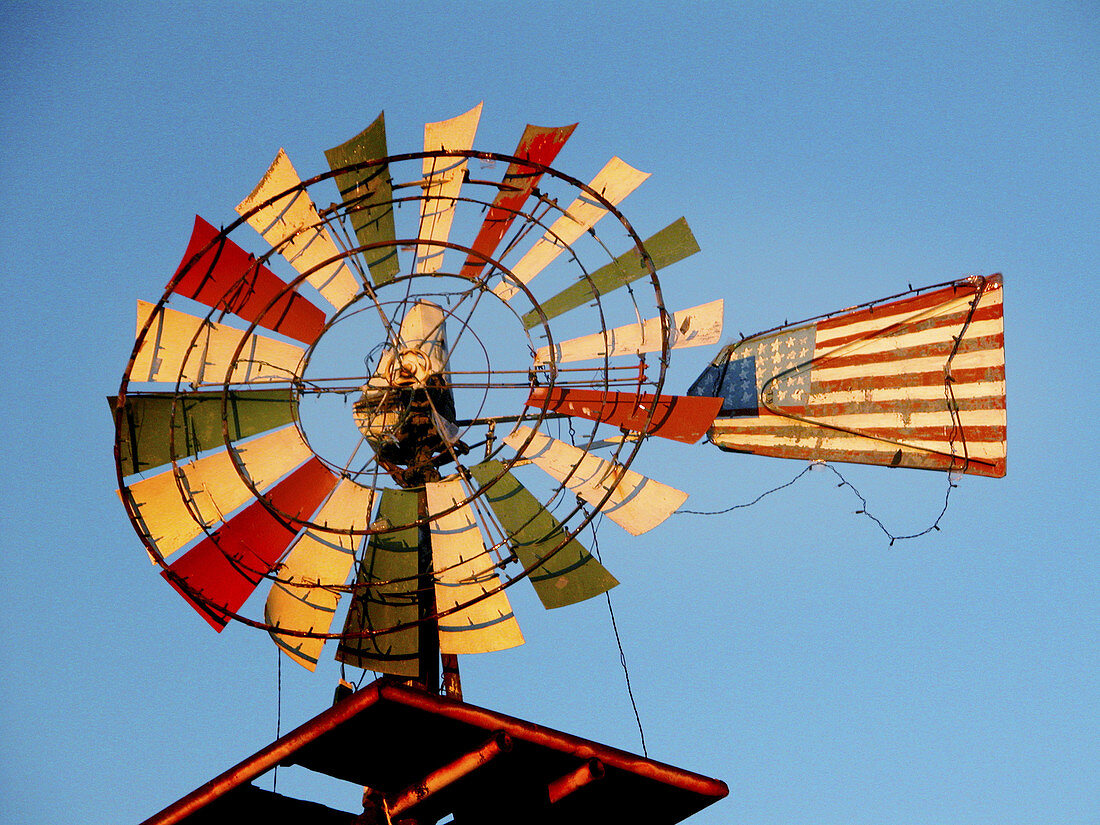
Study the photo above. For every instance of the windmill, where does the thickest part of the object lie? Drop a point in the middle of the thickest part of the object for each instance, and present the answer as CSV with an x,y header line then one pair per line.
x,y
376,422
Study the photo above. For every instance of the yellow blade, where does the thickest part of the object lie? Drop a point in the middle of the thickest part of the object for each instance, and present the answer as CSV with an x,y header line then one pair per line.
x,y
307,593
695,327
615,181
637,503
191,349
464,571
213,487
442,183
292,226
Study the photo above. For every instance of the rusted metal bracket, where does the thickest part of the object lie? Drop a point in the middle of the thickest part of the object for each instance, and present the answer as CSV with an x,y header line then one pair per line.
x,y
589,771
437,780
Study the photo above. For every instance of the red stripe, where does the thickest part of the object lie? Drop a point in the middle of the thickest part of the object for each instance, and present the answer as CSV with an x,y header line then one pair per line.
x,y
973,375
902,405
818,428
219,573
538,143
925,461
226,277
916,303
898,357
900,327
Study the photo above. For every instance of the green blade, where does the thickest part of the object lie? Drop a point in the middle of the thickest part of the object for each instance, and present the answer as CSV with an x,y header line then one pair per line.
x,y
385,594
673,243
368,194
571,575
152,435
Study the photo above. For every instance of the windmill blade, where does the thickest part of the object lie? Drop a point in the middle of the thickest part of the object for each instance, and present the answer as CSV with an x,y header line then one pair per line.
x,y
292,225
306,593
681,418
696,327
540,144
213,488
442,184
225,277
219,573
614,182
673,243
636,504
917,382
159,427
368,197
464,571
385,593
562,572
183,347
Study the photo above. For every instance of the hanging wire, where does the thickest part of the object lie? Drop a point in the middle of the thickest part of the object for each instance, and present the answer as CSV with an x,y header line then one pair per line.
x,y
863,511
618,641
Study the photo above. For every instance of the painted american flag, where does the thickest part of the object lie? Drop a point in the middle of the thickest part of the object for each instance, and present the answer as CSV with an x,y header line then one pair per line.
x,y
915,382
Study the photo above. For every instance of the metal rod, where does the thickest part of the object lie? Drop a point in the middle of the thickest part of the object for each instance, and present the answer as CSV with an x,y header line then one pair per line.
x,y
439,779
589,771
428,627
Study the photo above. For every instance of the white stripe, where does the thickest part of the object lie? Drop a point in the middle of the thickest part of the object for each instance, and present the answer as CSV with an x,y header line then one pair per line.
x,y
859,421
977,389
824,439
881,322
982,359
908,340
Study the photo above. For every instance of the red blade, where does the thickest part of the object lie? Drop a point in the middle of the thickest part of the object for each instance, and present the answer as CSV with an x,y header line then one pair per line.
x,y
224,568
226,277
540,144
678,417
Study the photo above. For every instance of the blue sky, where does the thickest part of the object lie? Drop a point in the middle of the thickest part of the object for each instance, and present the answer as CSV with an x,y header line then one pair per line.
x,y
823,155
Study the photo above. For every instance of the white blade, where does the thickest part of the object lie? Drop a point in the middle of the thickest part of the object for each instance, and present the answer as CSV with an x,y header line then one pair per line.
x,y
168,354
213,487
695,327
442,183
464,571
307,593
637,503
293,219
615,181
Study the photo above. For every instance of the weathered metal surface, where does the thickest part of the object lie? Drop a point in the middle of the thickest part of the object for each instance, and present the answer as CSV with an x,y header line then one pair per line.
x,y
158,427
562,572
696,327
917,382
213,488
442,184
540,144
219,573
465,572
385,593
664,248
681,418
368,196
636,503
292,226
308,588
185,348
614,182
448,774
424,732
587,773
225,277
